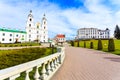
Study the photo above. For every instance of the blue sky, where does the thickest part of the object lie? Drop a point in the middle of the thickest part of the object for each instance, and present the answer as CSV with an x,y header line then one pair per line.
x,y
63,16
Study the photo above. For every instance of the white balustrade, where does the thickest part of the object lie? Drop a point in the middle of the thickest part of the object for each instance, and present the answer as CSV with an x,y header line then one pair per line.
x,y
49,64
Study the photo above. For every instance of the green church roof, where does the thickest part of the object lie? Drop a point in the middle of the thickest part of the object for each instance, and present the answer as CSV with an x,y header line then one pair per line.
x,y
11,30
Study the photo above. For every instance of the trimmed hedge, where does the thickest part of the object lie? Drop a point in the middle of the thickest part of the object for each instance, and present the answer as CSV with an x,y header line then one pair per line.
x,y
100,47
10,58
111,45
91,45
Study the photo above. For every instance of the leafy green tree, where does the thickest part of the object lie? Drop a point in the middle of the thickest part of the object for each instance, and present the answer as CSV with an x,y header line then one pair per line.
x,y
117,32
111,45
84,44
91,45
100,47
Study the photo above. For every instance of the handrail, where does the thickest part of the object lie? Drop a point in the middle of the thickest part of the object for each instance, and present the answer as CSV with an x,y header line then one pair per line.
x,y
52,62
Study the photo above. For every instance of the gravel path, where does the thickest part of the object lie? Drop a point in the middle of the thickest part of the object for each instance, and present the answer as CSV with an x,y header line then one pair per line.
x,y
87,64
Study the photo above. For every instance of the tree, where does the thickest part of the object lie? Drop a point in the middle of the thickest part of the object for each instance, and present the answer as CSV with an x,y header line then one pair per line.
x,y
78,44
91,45
84,44
99,44
111,45
117,32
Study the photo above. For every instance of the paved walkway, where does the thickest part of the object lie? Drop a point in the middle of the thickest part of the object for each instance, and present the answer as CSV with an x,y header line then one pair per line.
x,y
87,64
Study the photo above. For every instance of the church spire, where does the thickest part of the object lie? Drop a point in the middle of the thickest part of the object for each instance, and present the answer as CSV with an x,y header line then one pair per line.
x,y
30,14
44,16
30,11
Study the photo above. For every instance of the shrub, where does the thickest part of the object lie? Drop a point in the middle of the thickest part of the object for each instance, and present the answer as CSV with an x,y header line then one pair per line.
x,y
84,44
30,45
5,45
91,45
10,45
78,44
100,47
111,45
72,43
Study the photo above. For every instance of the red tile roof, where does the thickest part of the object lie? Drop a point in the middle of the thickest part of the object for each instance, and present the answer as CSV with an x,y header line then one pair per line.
x,y
60,36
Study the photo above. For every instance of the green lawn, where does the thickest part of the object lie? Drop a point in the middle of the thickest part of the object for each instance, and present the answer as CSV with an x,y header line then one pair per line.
x,y
104,43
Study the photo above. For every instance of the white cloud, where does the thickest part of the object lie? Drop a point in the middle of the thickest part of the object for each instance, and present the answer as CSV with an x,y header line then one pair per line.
x,y
65,21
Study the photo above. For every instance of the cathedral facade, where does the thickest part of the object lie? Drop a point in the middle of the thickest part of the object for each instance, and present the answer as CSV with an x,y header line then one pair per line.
x,y
35,32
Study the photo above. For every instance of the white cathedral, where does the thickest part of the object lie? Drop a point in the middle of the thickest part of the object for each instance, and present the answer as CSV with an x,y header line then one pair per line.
x,y
35,32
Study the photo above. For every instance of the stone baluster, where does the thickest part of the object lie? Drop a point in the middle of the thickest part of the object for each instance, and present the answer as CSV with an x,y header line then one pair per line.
x,y
56,64
37,75
44,71
52,65
14,77
54,61
48,68
57,60
27,74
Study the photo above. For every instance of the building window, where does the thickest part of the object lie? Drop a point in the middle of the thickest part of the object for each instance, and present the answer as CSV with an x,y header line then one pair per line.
x,y
30,19
10,39
37,31
22,35
29,30
44,27
17,35
3,34
29,40
37,36
44,37
3,39
10,34
29,36
29,25
44,22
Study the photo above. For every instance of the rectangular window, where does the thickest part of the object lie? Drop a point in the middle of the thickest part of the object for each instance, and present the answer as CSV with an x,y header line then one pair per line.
x,y
37,31
29,30
10,34
29,40
16,35
37,36
22,35
29,36
3,39
3,34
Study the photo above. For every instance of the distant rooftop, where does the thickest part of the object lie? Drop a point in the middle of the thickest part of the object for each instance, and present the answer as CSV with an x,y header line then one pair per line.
x,y
60,36
12,30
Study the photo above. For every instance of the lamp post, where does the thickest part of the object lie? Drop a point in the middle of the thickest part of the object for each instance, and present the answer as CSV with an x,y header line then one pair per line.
x,y
53,47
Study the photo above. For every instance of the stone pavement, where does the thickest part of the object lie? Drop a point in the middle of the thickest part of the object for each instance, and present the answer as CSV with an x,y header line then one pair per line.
x,y
88,64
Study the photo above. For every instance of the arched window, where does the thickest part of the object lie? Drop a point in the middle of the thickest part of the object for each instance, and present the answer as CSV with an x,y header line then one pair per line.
x,y
44,22
29,25
30,19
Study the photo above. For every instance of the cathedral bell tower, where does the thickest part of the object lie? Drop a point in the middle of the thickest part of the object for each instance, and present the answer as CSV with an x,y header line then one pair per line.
x,y
29,26
44,29
30,20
